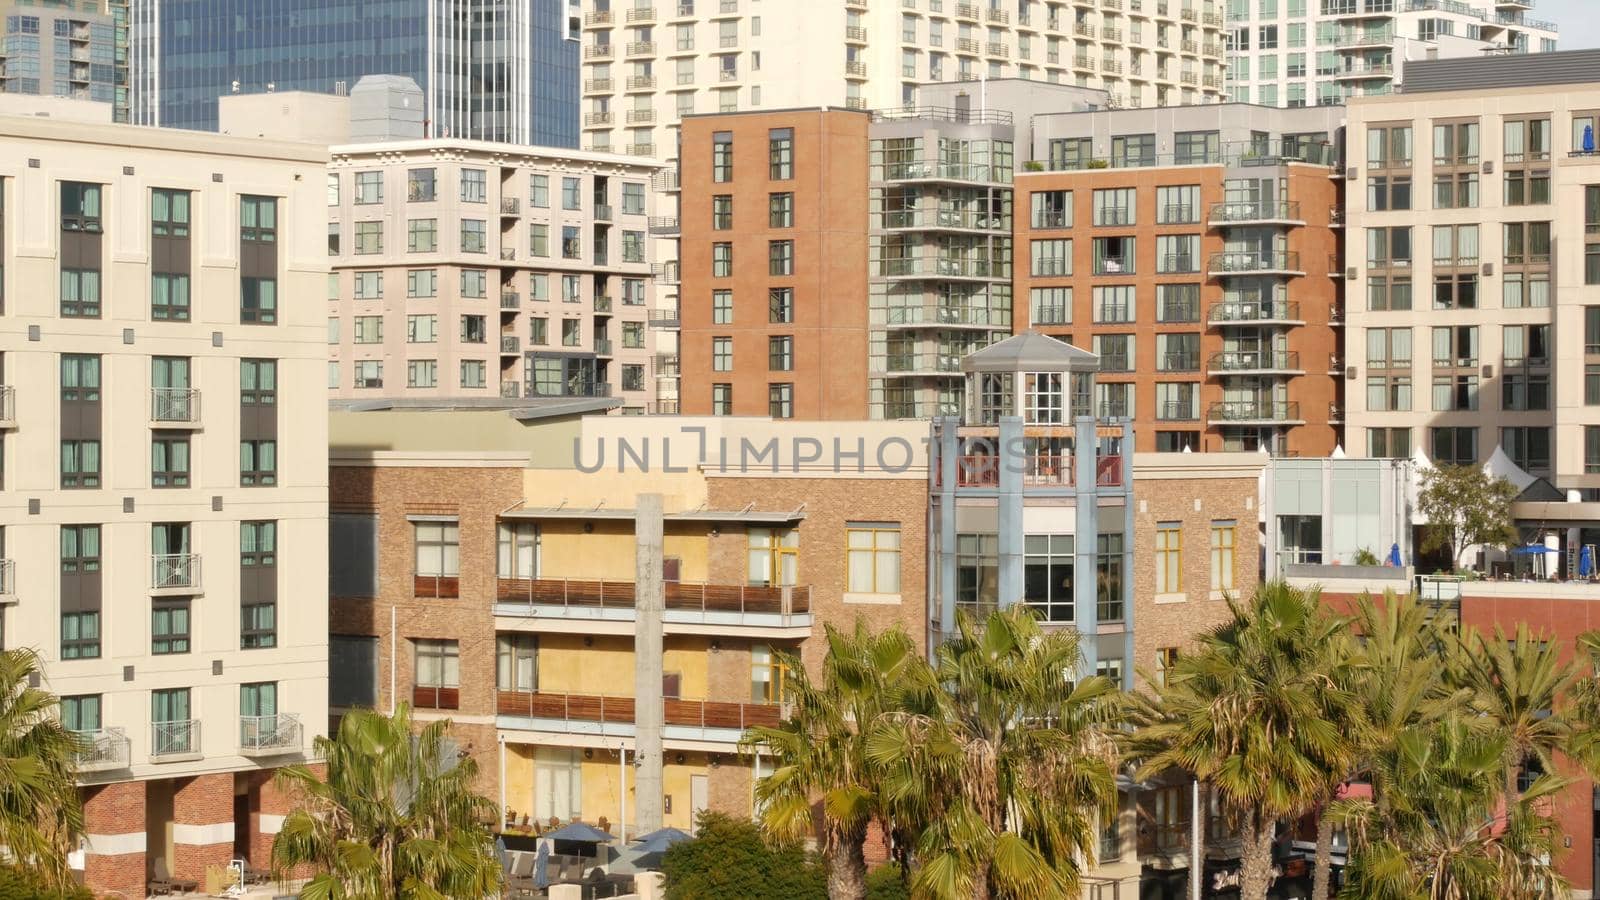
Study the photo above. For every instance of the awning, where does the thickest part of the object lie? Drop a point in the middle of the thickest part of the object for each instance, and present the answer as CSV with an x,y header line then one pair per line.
x,y
746,516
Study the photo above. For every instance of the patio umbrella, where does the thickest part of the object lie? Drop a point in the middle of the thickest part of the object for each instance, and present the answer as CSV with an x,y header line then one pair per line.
x,y
1394,556
541,866
653,846
1588,138
505,856
580,831
1586,561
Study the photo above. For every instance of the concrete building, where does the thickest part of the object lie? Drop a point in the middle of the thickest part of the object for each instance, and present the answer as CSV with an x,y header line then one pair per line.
x,y
466,269
162,408
492,580
1322,52
491,70
78,51
645,67
1499,349
1195,250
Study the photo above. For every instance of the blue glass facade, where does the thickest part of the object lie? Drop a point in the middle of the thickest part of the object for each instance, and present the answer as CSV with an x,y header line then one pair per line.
x,y
499,69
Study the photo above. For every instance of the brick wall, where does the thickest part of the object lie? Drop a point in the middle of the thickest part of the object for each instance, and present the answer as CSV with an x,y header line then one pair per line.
x,y
1196,503
115,809
204,801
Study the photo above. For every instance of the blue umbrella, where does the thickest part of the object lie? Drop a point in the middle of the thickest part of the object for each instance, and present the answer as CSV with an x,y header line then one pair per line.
x,y
1394,556
1586,561
579,831
1530,549
659,841
541,866
500,848
1588,138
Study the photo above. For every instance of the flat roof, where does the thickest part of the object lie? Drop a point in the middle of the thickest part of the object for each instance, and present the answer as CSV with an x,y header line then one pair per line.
x,y
746,515
525,409
172,140
1488,73
527,151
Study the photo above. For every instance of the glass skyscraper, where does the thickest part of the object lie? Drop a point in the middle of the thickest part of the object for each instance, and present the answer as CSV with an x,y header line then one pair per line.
x,y
498,70
73,50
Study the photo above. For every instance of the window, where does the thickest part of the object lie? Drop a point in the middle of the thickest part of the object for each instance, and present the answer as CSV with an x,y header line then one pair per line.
x,y
1527,447
81,713
1114,304
978,574
80,555
1052,257
1114,206
473,186
258,219
169,297
571,332
1131,150
1043,400
169,459
169,213
369,373
1591,449
474,373
722,212
258,461
423,373
633,377
632,198
169,626
80,464
1196,147
438,558
772,556
472,236
1389,147
1178,205
539,330
517,662
780,305
1385,192
780,401
873,557
780,257
369,285
1177,303
1388,293
780,154
1169,557
421,185
1050,306
1177,253
80,207
539,191
421,283
1389,442
333,189
1052,209
571,193
80,293
173,731
369,187
722,156
1114,256
1389,247
438,668
1116,352
258,544
1177,401
1108,577
1527,243
1166,661
780,210
1179,353
422,235
474,329
633,246
1455,446
1527,187
780,354
1223,535
722,260
722,399
722,354
1455,190
474,283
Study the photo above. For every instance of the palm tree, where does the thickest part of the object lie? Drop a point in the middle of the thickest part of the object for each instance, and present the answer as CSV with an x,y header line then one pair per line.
x,y
396,817
1259,712
40,812
1584,696
1011,767
819,750
1515,686
1446,830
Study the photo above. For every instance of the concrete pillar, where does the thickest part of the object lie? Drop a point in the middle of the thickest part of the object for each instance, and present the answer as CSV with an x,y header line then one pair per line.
x,y
1009,456
649,708
114,829
650,885
202,824
949,461
566,892
1085,456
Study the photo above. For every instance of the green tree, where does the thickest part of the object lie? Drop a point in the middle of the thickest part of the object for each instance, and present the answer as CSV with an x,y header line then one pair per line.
x,y
729,859
1464,506
22,884
1259,712
819,750
40,813
1444,830
396,818
1584,712
1009,769
1515,687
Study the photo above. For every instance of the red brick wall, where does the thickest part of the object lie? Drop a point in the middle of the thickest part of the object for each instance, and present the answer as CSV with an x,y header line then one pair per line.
x,y
202,800
112,809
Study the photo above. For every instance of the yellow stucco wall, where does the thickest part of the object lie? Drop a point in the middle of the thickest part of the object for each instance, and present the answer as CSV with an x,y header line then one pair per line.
x,y
567,551
566,665
602,785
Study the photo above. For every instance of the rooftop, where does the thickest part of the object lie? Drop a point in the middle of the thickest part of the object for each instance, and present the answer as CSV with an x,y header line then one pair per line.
x,y
1574,67
1030,351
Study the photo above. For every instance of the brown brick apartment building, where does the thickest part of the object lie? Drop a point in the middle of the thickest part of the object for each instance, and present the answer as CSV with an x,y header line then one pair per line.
x,y
1209,290
774,264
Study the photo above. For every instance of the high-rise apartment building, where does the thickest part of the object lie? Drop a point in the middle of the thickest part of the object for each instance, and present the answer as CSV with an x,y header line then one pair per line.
x,y
495,70
464,269
1196,252
647,65
77,50
1311,52
163,409
1474,252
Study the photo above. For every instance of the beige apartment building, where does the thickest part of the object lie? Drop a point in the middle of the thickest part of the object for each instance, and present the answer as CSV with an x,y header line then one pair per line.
x,y
164,448
464,269
646,65
1473,256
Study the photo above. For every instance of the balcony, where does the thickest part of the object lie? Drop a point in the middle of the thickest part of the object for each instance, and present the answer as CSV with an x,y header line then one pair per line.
x,y
922,364
667,365
603,212
1255,412
996,14
1268,213
665,319
996,48
597,51
602,17
510,206
984,471
269,735
1252,263
641,117
597,714
510,390
8,406
641,48
687,604
641,14
641,82
8,581
1084,30
1256,312
602,304
602,346
967,11
1360,73
855,34
570,389
508,254
1256,362
104,749
665,272
967,45
510,345
174,408
596,119
663,226
510,300
175,741
175,573
945,316
598,86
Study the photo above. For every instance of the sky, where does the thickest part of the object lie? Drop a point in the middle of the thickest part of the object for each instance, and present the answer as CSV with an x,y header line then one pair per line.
x,y
1579,21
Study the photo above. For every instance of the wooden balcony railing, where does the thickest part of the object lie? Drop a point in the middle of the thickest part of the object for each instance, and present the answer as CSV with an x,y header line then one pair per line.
x,y
983,470
443,586
427,697
692,596
601,708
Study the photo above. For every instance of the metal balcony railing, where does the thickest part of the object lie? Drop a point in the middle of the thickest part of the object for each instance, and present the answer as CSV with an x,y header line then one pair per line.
x,y
175,406
175,571
1255,211
8,577
1255,311
703,714
1255,361
510,300
1233,263
175,738
510,343
279,733
510,206
103,748
8,406
1254,411
578,593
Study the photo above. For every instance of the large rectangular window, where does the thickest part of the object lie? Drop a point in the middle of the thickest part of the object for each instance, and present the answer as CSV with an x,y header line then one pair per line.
x,y
1169,557
80,293
169,626
873,565
438,558
438,674
1108,577
1047,562
516,662
780,154
1223,537
722,157
258,219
